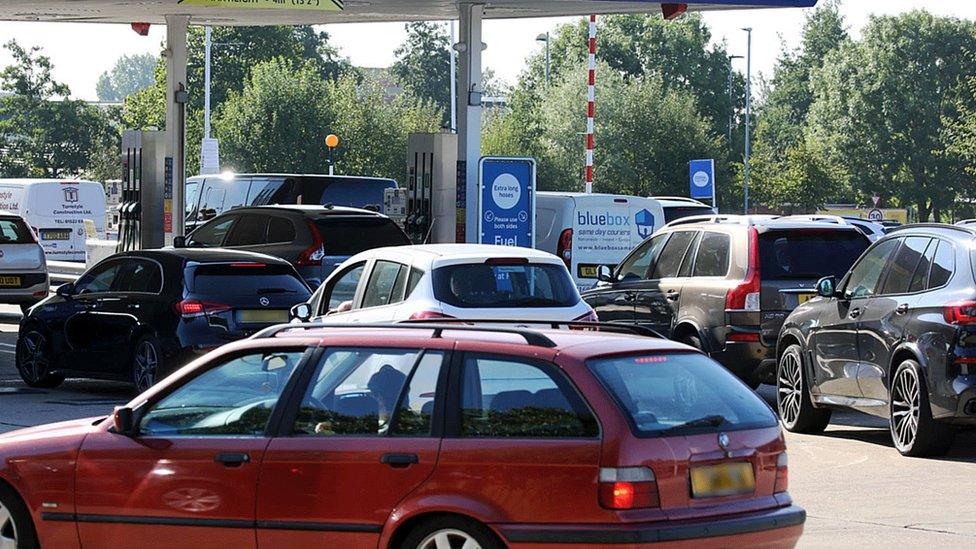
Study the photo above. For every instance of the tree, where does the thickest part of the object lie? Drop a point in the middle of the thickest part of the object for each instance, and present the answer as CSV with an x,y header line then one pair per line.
x,y
130,74
43,133
883,107
423,63
279,122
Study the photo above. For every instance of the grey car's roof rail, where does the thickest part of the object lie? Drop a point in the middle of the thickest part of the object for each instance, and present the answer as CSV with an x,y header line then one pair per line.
x,y
734,219
531,337
968,229
553,324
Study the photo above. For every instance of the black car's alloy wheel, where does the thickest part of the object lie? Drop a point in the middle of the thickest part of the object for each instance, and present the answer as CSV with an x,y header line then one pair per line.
x,y
33,359
913,430
145,363
793,396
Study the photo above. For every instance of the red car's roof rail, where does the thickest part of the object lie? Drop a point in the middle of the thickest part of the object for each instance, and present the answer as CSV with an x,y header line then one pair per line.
x,y
438,327
554,324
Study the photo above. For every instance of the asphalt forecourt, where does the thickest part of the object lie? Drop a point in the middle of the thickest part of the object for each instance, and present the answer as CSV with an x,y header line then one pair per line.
x,y
856,488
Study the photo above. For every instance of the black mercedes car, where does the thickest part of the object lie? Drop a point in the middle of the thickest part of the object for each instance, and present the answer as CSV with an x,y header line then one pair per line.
x,y
895,337
137,316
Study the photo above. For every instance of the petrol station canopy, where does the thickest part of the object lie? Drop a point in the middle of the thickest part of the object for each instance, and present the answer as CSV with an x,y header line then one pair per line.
x,y
286,12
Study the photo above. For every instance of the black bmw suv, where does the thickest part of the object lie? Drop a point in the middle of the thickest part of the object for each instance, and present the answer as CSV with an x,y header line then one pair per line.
x,y
895,337
137,316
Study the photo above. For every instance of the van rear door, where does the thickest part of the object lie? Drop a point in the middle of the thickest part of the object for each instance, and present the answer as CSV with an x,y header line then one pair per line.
x,y
58,210
606,228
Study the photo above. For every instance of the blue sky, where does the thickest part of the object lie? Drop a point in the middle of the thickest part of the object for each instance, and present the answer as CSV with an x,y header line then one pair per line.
x,y
82,52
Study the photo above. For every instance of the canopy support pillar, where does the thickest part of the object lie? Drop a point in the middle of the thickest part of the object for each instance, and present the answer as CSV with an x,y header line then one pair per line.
x,y
469,113
176,99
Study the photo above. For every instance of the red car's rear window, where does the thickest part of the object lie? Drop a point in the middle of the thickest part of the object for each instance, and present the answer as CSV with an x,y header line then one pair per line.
x,y
679,394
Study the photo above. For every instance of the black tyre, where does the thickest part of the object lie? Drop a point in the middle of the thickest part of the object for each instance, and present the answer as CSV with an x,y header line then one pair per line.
x,y
16,527
692,341
793,396
913,430
147,358
453,532
33,359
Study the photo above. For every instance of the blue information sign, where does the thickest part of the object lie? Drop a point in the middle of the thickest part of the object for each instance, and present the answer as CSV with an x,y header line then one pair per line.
x,y
507,190
702,178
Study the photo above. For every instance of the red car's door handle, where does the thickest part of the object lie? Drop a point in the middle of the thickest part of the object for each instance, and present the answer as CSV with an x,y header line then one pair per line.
x,y
232,459
399,460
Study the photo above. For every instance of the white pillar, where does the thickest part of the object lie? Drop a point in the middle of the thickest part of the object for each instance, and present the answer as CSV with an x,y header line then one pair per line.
x,y
469,110
176,26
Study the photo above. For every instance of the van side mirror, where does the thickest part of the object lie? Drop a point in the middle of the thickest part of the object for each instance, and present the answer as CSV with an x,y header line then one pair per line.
x,y
66,290
604,274
827,287
302,311
179,242
123,422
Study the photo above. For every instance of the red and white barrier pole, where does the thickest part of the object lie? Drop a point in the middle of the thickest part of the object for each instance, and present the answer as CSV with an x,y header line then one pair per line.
x,y
590,106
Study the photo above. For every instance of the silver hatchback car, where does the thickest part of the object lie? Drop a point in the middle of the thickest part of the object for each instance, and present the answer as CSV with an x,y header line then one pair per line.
x,y
23,269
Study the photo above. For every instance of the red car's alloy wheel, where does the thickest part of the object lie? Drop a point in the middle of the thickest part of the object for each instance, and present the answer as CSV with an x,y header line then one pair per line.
x,y
8,530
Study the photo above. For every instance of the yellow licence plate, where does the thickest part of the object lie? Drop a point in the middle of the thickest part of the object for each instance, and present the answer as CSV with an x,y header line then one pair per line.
x,y
263,316
587,271
725,479
803,298
10,281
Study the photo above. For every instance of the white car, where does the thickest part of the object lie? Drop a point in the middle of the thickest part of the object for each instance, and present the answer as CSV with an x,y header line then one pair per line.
x,y
469,281
870,229
23,269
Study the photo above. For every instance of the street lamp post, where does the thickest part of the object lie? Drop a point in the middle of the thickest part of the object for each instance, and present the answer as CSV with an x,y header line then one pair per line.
x,y
545,38
748,114
731,99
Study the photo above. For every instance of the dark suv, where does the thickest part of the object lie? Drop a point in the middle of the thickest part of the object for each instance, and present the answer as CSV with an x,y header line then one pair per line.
x,y
315,239
725,284
895,338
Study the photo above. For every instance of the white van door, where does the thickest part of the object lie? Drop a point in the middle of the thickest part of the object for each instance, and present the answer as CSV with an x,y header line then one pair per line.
x,y
606,228
58,210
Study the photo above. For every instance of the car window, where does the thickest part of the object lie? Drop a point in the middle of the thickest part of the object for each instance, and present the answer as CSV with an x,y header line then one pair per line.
x,y
808,253
921,276
262,190
382,281
412,281
416,410
943,265
15,231
247,279
212,234
140,275
233,399
342,288
350,235
902,268
280,230
636,265
864,277
99,279
686,263
662,393
357,391
236,195
508,398
713,255
504,285
250,230
673,254
212,199
191,198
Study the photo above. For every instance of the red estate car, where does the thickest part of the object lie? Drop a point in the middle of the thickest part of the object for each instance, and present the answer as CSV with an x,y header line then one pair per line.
x,y
419,436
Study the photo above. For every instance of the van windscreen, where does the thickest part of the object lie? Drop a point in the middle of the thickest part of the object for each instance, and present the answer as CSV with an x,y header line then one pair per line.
x,y
349,235
680,394
805,253
486,285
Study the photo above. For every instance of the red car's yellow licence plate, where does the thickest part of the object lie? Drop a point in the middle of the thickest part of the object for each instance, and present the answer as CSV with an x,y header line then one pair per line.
x,y
725,479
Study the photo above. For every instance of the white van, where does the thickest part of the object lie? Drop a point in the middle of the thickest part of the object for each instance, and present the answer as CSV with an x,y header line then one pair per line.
x,y
676,207
589,230
57,210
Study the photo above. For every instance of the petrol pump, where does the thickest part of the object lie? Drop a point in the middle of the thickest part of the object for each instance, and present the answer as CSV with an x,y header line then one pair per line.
x,y
147,191
431,201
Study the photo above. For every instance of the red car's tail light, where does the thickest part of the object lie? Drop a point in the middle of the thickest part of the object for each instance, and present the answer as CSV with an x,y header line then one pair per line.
x,y
960,312
628,488
745,296
189,308
428,315
314,254
782,474
564,249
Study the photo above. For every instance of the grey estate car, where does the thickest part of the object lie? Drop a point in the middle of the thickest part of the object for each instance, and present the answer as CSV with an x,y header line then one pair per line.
x,y
725,284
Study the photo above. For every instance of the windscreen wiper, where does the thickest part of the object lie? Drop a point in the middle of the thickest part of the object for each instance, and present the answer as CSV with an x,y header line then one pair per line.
x,y
707,421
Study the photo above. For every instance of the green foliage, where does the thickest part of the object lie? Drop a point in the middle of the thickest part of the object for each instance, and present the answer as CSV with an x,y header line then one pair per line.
x,y
645,133
130,74
803,182
280,120
883,107
42,132
423,63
